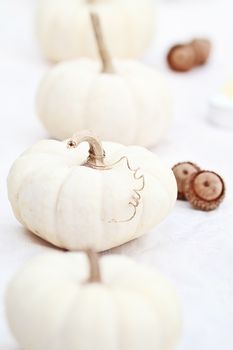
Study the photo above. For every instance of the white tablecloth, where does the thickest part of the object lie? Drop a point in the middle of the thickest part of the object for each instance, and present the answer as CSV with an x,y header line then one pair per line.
x,y
193,249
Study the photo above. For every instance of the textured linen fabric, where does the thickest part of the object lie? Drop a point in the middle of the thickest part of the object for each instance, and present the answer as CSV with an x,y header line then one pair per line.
x,y
192,248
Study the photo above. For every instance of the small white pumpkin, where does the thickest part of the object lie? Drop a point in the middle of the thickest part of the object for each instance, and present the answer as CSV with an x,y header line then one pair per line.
x,y
62,301
101,201
124,101
64,30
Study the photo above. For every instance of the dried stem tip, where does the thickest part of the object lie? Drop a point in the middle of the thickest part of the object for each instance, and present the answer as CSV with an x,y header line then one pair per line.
x,y
96,151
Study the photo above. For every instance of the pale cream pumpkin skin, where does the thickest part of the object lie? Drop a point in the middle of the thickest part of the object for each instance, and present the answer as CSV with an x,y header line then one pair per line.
x,y
51,305
74,206
64,31
131,106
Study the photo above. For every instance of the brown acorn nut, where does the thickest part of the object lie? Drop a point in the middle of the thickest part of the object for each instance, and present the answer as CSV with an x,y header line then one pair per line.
x,y
183,58
205,190
183,172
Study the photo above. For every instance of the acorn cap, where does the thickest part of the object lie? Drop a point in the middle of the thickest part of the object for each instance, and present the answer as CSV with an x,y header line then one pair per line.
x,y
181,58
182,172
205,190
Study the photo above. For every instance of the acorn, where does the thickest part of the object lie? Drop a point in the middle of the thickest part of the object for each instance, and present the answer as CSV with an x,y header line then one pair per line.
x,y
184,57
183,172
181,58
205,190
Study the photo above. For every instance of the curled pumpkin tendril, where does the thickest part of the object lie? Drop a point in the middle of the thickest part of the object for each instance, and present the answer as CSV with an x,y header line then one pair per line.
x,y
136,197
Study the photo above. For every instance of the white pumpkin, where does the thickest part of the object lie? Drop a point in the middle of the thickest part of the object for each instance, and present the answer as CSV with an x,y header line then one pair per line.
x,y
56,303
123,101
64,31
101,201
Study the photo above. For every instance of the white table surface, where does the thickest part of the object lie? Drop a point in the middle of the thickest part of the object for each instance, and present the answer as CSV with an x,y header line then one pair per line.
x,y
193,249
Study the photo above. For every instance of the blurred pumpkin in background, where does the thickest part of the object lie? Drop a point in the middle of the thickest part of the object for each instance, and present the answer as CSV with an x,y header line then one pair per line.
x,y
76,301
121,100
64,29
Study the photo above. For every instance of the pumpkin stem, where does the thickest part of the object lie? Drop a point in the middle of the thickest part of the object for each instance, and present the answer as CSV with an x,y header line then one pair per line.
x,y
95,276
107,66
96,151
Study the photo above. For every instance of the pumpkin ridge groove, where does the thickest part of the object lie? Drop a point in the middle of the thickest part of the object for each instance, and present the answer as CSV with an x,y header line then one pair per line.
x,y
58,198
